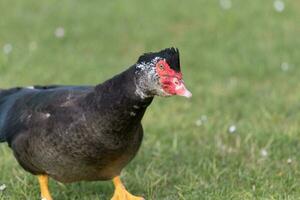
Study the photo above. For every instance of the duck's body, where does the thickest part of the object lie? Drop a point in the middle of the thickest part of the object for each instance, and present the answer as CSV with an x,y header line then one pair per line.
x,y
74,133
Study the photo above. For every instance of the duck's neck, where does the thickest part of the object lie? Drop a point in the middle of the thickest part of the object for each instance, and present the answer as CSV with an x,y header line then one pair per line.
x,y
118,100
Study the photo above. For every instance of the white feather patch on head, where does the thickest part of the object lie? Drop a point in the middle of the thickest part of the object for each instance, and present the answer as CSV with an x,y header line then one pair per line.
x,y
149,65
150,73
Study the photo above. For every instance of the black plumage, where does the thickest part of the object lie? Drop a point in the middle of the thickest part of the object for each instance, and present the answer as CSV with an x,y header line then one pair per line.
x,y
74,133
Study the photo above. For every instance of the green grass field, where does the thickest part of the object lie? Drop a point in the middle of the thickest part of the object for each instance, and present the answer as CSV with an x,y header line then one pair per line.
x,y
242,65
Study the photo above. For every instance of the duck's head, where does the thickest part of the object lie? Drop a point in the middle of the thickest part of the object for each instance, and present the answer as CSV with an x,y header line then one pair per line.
x,y
159,74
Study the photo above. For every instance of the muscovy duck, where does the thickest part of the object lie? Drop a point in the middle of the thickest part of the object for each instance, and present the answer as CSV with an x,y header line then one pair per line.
x,y
87,133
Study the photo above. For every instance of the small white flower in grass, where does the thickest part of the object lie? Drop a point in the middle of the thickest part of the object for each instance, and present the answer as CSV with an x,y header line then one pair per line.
x,y
285,66
289,161
2,187
232,129
7,48
59,32
264,153
198,122
201,121
279,5
225,4
204,118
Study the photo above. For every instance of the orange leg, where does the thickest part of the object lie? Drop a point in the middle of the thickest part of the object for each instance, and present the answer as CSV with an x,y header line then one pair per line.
x,y
45,194
121,193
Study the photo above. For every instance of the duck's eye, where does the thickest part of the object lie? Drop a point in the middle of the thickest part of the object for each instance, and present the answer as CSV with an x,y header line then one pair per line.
x,y
161,66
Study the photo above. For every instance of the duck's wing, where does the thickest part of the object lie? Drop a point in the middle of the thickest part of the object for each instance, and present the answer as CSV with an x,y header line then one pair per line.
x,y
17,104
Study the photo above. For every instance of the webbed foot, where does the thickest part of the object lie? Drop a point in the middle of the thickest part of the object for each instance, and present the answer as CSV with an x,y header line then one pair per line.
x,y
121,193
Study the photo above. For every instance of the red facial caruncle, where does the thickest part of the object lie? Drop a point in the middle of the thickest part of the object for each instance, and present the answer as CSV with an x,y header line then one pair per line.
x,y
171,80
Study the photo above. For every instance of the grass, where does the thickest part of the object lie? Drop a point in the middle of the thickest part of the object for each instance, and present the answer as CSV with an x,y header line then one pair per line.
x,y
231,61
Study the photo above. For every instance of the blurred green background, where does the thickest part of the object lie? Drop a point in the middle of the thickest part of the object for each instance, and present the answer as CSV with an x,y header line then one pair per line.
x,y
237,138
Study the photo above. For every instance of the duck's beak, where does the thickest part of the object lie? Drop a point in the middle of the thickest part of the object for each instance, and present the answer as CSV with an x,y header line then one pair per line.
x,y
182,91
